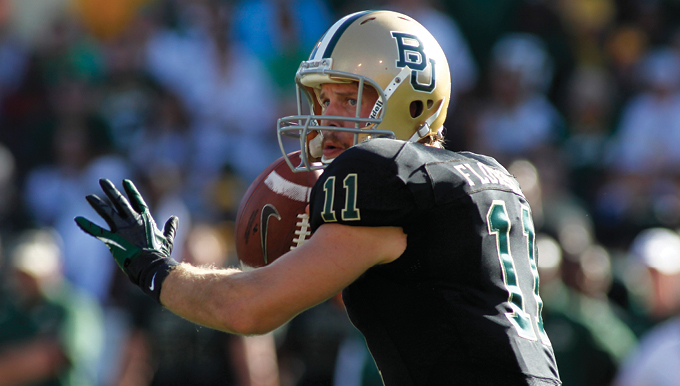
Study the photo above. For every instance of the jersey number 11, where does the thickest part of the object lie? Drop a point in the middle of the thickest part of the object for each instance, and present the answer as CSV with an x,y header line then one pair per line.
x,y
521,318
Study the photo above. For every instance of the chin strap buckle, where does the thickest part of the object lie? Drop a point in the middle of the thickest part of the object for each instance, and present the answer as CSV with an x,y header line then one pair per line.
x,y
424,129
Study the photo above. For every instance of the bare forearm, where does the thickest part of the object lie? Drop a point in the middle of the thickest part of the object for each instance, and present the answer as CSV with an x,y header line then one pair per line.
x,y
225,299
258,301
202,295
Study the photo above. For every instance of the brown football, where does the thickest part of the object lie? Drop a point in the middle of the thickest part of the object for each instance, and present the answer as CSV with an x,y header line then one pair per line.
x,y
271,218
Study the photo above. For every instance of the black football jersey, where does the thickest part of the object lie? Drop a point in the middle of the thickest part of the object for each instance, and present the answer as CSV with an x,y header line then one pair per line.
x,y
461,305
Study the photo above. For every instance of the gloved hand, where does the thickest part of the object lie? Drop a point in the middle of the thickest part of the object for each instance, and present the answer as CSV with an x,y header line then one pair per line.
x,y
139,248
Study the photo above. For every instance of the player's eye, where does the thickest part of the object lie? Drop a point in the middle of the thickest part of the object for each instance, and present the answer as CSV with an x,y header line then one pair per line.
x,y
352,102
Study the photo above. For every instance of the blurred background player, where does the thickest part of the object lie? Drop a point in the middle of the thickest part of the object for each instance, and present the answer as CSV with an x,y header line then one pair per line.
x,y
51,333
655,255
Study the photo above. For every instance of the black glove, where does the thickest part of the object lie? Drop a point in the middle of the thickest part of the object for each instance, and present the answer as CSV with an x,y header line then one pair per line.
x,y
139,248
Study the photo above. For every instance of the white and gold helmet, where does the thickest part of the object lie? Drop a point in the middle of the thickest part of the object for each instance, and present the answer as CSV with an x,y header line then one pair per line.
x,y
388,51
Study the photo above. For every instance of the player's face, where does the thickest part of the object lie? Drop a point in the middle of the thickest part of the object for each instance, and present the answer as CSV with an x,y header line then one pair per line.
x,y
341,100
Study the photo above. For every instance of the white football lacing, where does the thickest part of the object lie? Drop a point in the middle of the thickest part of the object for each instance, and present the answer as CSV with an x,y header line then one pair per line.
x,y
303,232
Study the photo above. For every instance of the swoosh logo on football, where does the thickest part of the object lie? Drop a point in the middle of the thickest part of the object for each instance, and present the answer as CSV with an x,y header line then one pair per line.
x,y
267,211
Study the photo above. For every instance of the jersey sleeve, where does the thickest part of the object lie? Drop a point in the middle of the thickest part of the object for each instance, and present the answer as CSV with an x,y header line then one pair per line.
x,y
361,188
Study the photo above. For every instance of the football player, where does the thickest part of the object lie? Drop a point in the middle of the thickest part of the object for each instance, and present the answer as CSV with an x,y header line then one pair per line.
x,y
434,250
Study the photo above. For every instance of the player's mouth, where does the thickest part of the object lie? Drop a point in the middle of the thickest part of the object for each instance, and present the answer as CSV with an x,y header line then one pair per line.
x,y
332,149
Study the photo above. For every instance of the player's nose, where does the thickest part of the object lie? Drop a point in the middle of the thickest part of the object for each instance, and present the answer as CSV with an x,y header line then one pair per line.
x,y
331,123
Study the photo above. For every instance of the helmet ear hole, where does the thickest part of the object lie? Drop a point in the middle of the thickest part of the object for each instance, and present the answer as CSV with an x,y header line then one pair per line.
x,y
416,109
430,103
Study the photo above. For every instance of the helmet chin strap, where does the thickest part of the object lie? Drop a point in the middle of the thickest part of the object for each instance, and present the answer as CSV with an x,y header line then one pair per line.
x,y
315,149
389,90
315,144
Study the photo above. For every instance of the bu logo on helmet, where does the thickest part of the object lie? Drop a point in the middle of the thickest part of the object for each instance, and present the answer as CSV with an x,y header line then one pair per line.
x,y
412,55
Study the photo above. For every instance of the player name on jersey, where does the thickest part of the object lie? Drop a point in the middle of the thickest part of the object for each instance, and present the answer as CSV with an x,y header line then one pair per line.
x,y
477,173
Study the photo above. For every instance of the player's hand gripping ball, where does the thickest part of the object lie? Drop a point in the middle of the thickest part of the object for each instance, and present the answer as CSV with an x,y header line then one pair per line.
x,y
271,218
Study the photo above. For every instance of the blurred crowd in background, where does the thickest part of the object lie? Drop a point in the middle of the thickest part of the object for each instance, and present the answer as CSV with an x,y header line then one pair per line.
x,y
579,99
